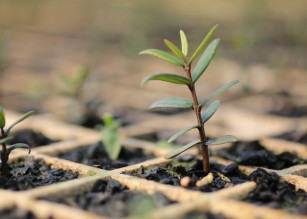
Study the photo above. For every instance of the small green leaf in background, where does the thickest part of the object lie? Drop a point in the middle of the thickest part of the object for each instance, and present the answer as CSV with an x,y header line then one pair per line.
x,y
209,111
172,78
203,44
163,55
184,43
221,140
174,49
2,118
183,131
172,102
111,136
182,149
17,145
217,92
205,60
7,131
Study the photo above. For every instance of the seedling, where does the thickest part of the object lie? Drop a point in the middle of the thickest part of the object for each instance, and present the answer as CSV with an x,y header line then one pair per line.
x,y
190,80
4,137
71,86
111,136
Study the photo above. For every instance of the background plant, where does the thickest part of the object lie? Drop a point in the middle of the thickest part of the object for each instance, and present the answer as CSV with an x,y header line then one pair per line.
x,y
110,136
4,137
190,80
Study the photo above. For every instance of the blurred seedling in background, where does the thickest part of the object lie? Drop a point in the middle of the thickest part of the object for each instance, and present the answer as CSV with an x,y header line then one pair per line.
x,y
78,108
190,80
4,137
110,136
71,86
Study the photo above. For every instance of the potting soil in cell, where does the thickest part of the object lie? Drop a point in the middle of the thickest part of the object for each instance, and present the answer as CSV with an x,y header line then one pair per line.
x,y
202,215
30,137
253,154
271,191
29,173
188,165
95,155
110,198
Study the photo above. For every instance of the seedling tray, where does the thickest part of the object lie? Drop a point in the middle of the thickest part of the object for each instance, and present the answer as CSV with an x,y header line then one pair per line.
x,y
228,202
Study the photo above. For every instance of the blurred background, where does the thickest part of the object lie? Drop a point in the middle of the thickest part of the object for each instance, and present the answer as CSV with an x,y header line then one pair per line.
x,y
43,42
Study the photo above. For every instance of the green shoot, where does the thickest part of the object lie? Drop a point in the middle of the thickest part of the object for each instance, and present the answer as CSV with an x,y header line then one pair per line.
x,y
4,137
111,136
192,76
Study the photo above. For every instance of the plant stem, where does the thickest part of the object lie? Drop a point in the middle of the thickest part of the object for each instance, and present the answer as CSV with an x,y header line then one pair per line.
x,y
4,157
201,128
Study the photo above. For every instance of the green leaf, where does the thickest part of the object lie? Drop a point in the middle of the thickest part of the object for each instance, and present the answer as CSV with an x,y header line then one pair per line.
x,y
217,92
181,133
3,140
17,145
203,44
111,142
182,149
209,111
7,131
221,140
172,78
163,55
174,49
172,102
184,43
205,60
2,118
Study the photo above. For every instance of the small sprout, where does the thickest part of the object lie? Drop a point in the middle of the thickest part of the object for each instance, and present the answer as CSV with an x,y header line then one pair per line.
x,y
71,86
111,136
91,173
192,76
4,137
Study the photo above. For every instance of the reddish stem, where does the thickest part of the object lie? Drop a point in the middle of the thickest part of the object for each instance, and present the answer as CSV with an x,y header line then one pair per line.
x,y
4,156
201,128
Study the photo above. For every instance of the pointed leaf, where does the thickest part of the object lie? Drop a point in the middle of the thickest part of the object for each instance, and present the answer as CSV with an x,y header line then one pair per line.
x,y
182,149
205,60
203,44
184,43
7,131
3,140
221,140
181,133
2,118
217,92
18,145
209,111
172,78
163,55
174,49
172,102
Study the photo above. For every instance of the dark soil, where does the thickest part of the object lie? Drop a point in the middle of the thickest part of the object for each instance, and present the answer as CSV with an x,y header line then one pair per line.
x,y
17,214
273,192
253,154
296,136
95,155
188,165
28,173
202,215
31,138
110,198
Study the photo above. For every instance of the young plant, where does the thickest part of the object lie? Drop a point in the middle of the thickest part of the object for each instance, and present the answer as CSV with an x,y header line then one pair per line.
x,y
71,86
4,137
111,136
190,80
